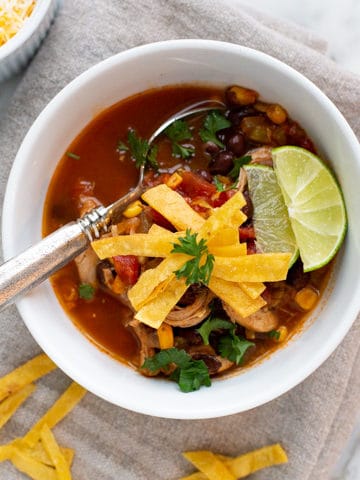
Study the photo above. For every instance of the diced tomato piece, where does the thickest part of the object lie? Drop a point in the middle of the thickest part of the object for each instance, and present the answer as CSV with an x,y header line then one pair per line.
x,y
157,218
223,197
194,185
247,233
250,247
128,268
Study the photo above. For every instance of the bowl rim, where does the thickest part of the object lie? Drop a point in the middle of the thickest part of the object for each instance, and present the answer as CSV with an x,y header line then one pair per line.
x,y
310,364
27,30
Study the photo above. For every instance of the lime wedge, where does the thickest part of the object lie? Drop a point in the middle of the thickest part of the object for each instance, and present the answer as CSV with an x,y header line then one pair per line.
x,y
314,202
271,220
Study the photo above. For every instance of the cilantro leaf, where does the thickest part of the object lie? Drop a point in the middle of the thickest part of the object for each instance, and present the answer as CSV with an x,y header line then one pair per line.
x,y
220,187
214,122
233,347
275,334
192,376
238,163
189,374
73,155
177,132
212,323
86,291
121,146
192,271
141,151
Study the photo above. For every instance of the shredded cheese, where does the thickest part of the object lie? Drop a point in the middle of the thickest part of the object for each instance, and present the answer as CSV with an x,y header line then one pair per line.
x,y
13,15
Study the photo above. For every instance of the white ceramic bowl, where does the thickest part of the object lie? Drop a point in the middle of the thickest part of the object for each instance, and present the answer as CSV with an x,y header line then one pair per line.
x,y
16,52
133,71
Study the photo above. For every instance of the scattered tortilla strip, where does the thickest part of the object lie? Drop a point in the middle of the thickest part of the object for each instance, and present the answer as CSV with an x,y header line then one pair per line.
x,y
6,452
208,464
150,279
249,463
252,289
31,467
256,460
57,412
38,453
173,207
53,450
228,215
25,374
227,236
155,229
9,406
137,244
260,267
234,250
154,312
232,294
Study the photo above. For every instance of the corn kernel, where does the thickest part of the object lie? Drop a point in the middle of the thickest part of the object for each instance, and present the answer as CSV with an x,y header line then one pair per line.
x,y
241,96
250,334
133,210
174,180
306,298
276,114
118,286
166,336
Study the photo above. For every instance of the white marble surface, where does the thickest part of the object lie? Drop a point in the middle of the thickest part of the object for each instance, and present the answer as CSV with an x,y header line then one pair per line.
x,y
338,22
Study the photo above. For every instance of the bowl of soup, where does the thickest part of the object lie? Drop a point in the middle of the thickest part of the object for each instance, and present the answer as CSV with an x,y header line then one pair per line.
x,y
192,295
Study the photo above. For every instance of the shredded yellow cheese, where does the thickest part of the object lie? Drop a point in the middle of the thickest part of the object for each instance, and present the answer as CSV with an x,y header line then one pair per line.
x,y
13,15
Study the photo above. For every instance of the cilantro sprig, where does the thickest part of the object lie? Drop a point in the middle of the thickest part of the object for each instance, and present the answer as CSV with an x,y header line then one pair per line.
x,y
189,374
213,123
140,150
238,163
211,324
199,268
221,187
86,291
177,132
233,346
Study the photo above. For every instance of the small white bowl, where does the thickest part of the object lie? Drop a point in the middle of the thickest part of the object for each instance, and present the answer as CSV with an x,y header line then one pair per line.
x,y
17,51
166,63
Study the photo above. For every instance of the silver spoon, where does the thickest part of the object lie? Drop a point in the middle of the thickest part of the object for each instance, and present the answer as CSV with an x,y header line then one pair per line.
x,y
31,267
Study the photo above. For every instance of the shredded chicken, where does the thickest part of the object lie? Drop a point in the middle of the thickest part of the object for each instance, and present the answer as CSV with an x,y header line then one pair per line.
x,y
261,156
263,320
86,264
193,314
148,340
215,363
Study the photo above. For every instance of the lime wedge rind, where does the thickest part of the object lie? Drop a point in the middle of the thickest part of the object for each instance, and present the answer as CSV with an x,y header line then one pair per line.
x,y
316,209
271,221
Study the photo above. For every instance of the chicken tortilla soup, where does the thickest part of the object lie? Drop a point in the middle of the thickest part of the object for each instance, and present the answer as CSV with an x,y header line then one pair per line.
x,y
226,252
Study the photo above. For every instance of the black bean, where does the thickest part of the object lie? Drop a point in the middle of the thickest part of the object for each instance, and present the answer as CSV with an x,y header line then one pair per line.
x,y
222,163
211,148
236,144
235,116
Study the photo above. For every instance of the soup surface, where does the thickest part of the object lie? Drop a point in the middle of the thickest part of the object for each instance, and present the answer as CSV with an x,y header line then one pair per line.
x,y
99,167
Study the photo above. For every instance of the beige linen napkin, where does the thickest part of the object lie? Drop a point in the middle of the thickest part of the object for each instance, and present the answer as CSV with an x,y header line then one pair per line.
x,y
313,420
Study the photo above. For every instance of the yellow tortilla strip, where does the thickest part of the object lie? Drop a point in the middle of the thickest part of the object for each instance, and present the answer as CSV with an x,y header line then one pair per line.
x,y
208,464
140,244
228,250
251,462
228,215
31,467
173,207
64,404
9,406
25,374
152,278
260,267
53,450
253,289
232,294
154,312
6,451
38,453
226,236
